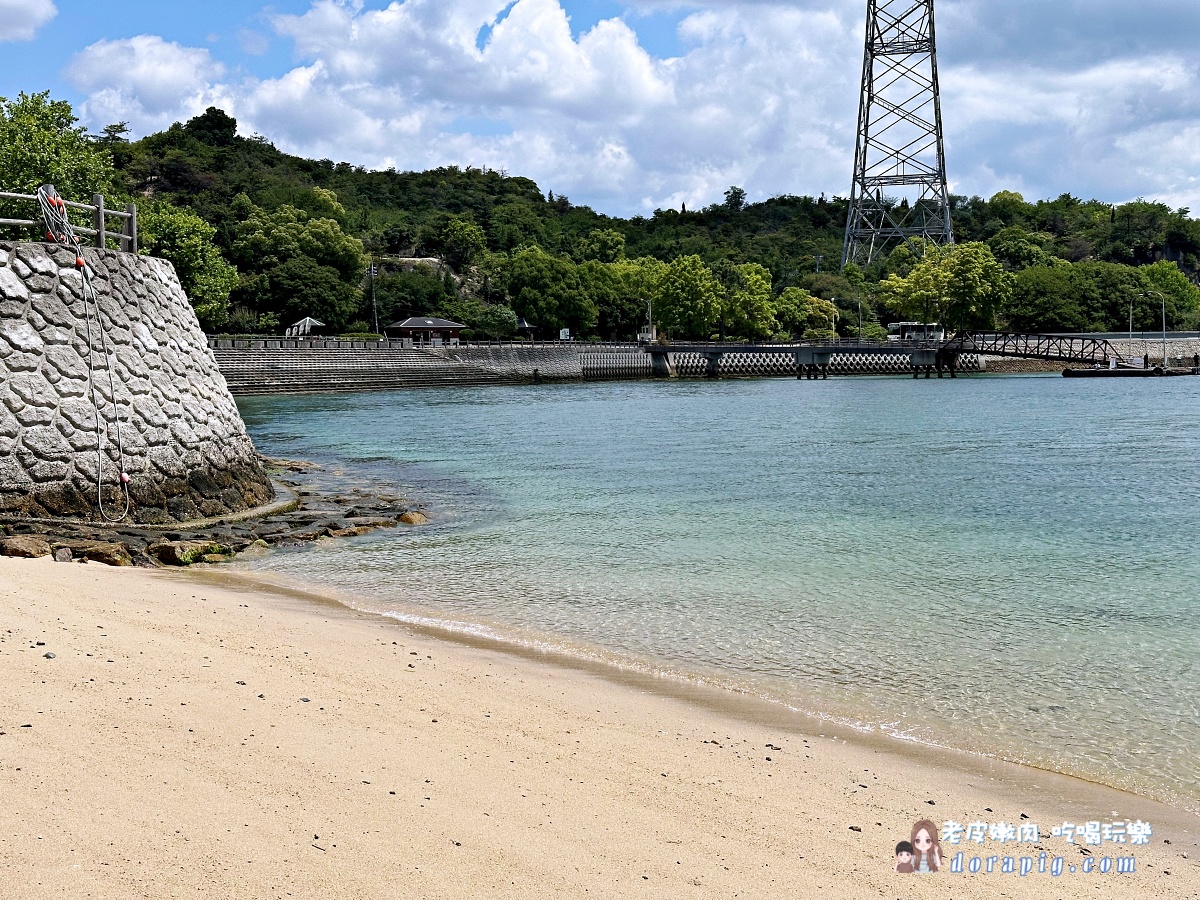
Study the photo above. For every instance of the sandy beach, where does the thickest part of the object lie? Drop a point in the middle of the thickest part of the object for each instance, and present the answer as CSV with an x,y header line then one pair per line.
x,y
193,737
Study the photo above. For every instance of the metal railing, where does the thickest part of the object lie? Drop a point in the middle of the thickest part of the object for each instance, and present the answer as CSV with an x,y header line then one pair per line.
x,y
1035,346
126,236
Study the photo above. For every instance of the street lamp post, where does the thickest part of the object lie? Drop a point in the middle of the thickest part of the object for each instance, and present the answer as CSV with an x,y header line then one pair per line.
x,y
374,308
1162,297
1164,317
860,337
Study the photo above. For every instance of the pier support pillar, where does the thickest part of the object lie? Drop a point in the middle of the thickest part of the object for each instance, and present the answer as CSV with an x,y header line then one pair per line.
x,y
660,363
812,362
712,364
947,361
925,360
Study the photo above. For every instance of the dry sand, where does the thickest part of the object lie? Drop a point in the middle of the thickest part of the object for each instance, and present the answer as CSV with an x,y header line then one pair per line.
x,y
172,754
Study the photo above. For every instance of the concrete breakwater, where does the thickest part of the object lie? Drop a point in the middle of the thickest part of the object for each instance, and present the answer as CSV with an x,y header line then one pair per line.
x,y
185,448
270,366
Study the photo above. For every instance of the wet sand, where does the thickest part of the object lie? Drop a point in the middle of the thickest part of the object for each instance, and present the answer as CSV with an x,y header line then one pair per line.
x,y
197,737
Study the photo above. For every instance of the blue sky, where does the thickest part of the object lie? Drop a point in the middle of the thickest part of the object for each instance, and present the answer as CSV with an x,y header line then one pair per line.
x,y
630,105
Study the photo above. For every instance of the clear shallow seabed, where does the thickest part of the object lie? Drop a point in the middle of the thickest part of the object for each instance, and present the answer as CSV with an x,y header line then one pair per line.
x,y
1000,564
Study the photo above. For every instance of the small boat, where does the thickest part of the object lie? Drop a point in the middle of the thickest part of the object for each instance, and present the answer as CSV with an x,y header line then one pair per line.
x,y
1113,373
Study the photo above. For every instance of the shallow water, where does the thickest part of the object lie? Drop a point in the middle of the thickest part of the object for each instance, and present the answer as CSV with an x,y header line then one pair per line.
x,y
1001,564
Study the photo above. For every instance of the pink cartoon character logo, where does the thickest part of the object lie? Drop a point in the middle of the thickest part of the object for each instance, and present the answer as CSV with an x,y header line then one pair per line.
x,y
927,852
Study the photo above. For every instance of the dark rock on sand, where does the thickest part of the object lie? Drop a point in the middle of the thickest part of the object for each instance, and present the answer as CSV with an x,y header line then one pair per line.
x,y
27,546
110,553
184,553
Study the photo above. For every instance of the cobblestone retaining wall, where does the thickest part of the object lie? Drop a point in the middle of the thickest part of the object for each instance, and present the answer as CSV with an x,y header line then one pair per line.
x,y
1180,351
186,448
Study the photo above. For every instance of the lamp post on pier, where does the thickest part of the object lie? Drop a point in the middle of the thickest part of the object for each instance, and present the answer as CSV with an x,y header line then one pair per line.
x,y
1131,326
374,308
1163,298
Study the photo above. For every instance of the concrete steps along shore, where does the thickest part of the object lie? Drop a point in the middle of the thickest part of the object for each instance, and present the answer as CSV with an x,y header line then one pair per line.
x,y
260,370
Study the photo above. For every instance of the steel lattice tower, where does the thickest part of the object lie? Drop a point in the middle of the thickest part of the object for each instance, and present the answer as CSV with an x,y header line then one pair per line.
x,y
899,188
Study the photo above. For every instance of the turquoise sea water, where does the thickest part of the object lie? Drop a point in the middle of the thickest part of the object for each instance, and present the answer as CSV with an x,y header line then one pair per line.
x,y
1001,564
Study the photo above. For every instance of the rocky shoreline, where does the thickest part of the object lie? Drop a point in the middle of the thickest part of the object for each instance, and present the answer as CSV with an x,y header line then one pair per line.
x,y
316,504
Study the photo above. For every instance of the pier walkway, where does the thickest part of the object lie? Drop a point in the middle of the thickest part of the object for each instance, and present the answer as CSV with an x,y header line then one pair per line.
x,y
812,358
294,365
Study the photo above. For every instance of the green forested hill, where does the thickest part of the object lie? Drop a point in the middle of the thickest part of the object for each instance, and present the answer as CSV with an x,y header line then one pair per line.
x,y
300,234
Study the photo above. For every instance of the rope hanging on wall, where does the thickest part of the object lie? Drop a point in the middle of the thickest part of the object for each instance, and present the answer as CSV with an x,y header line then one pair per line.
x,y
60,231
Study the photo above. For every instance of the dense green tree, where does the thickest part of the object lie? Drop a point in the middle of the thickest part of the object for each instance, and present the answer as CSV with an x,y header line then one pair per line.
x,y
114,138
1099,296
746,309
400,295
186,241
1106,290
961,286
546,292
303,287
1009,208
489,321
639,282
689,299
1182,296
975,286
800,314
496,322
266,239
514,225
214,127
1016,248
601,285
603,245
1045,298
456,239
40,143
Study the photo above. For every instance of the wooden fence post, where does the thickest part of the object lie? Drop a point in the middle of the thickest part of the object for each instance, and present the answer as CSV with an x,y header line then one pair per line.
x,y
98,200
131,235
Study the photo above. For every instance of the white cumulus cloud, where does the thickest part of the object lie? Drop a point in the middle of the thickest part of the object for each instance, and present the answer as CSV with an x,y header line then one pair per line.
x,y
1088,96
144,80
21,19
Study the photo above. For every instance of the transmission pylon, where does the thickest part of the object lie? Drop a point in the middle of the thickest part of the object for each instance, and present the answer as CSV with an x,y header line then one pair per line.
x,y
899,188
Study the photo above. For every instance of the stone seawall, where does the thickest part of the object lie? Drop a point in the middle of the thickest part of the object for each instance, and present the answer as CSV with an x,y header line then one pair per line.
x,y
1180,351
186,448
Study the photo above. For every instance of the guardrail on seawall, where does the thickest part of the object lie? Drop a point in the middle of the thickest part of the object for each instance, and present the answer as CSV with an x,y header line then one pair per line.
x,y
98,213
